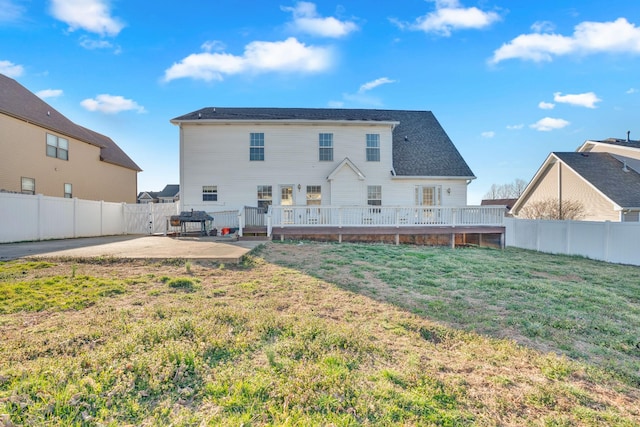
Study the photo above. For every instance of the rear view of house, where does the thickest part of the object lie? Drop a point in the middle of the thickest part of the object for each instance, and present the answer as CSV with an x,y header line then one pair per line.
x,y
235,157
46,153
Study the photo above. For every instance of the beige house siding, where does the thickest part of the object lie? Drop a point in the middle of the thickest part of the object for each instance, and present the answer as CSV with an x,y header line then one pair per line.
x,y
560,182
24,155
617,150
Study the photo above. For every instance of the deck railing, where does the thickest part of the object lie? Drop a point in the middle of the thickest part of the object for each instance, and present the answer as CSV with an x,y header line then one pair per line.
x,y
386,216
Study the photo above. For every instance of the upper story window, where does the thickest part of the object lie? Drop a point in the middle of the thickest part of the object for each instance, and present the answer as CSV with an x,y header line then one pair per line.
x,y
373,147
256,148
68,191
28,185
57,147
209,193
326,147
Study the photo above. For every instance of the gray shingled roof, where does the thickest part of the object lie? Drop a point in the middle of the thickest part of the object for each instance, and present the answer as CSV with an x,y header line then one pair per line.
x,y
17,101
620,142
421,147
605,172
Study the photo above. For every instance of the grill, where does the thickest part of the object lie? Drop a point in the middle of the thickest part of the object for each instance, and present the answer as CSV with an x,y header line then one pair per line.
x,y
192,216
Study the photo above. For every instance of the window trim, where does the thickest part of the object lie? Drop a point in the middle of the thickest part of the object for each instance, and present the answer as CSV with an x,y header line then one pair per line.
x,y
315,201
436,197
209,193
325,147
53,143
374,201
68,194
24,179
256,146
373,147
264,195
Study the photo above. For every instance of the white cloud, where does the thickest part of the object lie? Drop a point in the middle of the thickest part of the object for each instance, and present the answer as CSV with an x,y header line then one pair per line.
x,y
548,124
285,56
450,16
546,105
213,46
91,44
9,11
631,90
488,134
375,83
307,20
587,100
110,104
515,127
90,15
588,38
543,27
10,69
49,93
335,104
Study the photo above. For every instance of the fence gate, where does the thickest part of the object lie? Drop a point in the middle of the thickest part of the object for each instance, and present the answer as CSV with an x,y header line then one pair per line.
x,y
148,218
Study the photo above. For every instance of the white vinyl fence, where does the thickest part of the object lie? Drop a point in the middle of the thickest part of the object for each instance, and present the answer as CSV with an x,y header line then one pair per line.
x,y
28,218
615,242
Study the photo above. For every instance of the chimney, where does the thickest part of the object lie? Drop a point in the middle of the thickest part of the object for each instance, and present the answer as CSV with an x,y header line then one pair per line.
x,y
628,133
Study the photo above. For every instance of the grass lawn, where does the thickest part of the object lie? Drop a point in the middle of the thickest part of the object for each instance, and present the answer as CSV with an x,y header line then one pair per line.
x,y
322,334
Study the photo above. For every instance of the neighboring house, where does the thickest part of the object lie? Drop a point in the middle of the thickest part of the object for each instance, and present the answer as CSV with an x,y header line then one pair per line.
x,y
170,194
235,157
604,176
46,153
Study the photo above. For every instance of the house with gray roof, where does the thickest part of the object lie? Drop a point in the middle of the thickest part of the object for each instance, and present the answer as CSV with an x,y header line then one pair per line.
x,y
601,175
46,153
235,157
169,194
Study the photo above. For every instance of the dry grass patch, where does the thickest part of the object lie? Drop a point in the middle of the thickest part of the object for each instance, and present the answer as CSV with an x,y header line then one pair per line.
x,y
263,344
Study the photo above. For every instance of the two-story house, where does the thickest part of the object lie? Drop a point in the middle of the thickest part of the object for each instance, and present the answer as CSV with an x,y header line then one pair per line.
x,y
235,157
46,153
169,194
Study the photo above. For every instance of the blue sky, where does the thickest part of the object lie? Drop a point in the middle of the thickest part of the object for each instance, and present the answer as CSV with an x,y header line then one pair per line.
x,y
509,80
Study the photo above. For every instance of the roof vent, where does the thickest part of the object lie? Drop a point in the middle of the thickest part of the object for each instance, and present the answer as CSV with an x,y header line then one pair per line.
x,y
48,113
199,115
406,138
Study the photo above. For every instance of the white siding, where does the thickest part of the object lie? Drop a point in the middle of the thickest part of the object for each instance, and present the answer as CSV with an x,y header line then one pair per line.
x,y
218,154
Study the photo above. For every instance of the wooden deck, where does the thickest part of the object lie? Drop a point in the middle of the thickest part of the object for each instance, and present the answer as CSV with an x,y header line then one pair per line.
x,y
430,235
451,226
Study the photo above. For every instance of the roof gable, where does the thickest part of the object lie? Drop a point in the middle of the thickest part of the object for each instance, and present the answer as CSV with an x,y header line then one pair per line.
x,y
421,147
17,101
607,174
349,164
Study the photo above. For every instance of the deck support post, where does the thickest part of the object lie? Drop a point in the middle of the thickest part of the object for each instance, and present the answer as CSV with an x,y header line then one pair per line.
x,y
339,238
453,240
397,239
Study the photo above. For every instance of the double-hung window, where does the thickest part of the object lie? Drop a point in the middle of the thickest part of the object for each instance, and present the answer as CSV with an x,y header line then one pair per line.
x,y
265,197
209,193
373,147
57,147
326,147
314,195
256,147
374,195
68,191
28,185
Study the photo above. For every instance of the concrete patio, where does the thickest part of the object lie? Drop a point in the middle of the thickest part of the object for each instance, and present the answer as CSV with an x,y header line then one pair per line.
x,y
134,247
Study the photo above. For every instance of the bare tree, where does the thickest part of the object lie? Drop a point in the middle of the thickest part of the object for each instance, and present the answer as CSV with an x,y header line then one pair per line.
x,y
512,190
553,209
